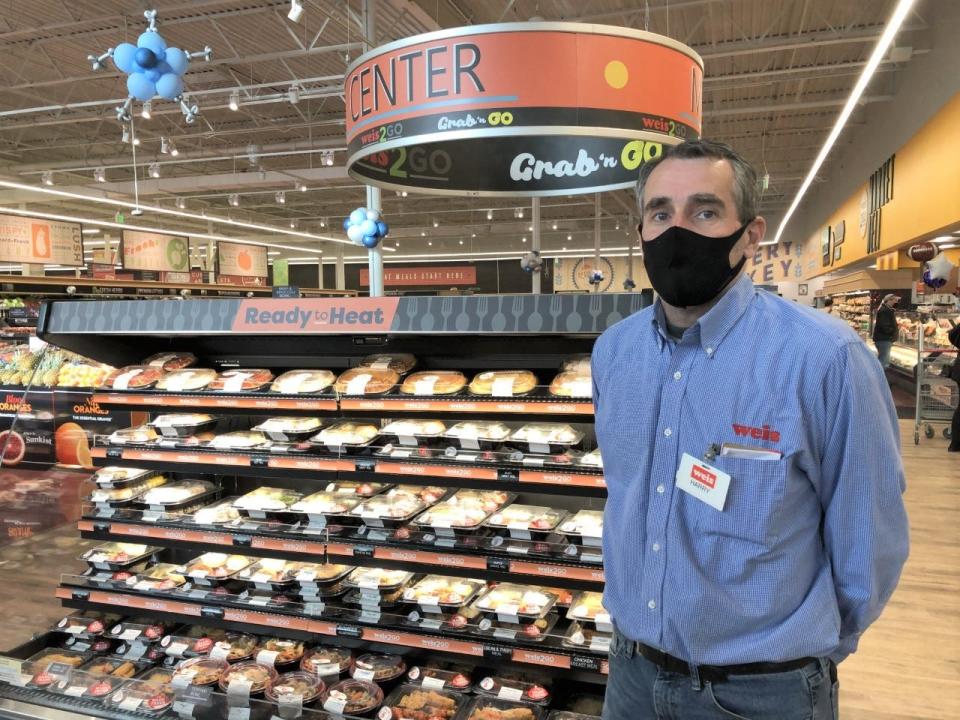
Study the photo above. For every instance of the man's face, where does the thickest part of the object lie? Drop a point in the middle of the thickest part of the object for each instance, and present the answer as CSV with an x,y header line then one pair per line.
x,y
697,195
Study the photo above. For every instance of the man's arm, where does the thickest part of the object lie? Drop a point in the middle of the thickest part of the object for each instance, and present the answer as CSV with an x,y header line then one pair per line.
x,y
865,528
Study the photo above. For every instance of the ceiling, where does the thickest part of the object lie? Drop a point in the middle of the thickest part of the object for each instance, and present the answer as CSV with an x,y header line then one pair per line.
x,y
776,77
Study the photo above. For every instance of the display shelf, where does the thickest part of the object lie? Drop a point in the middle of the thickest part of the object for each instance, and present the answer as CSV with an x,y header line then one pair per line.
x,y
219,402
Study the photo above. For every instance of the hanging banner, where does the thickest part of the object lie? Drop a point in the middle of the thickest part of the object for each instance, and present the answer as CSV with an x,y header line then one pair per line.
x,y
519,109
457,275
241,260
41,242
154,251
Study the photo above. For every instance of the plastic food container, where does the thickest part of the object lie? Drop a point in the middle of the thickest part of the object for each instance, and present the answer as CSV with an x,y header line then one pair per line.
x,y
592,459
187,379
364,490
527,522
117,555
172,496
320,507
414,432
413,702
230,646
478,434
289,429
401,363
464,511
133,377
491,708
150,693
216,567
183,424
86,624
170,361
254,674
546,438
162,576
366,381
303,382
587,607
217,514
271,572
142,629
298,687
515,690
438,593
118,497
201,671
440,678
264,501
503,383
133,436
434,382
391,509
577,363
580,636
321,574
352,697
572,384
280,652
239,440
523,632
378,579
584,528
327,661
112,477
379,668
37,664
346,436
241,380
512,603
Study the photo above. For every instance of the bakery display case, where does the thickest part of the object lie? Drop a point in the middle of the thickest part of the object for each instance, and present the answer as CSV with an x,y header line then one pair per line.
x,y
320,534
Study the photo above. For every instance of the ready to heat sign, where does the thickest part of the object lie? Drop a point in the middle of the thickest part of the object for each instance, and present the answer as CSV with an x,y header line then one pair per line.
x,y
320,315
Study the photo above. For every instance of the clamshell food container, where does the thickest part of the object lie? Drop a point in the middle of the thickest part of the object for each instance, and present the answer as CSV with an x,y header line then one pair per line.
x,y
214,567
142,435
401,363
379,668
463,512
478,434
413,702
239,440
188,379
434,382
176,495
491,708
584,528
322,508
327,661
413,432
170,361
511,603
351,697
299,687
346,436
433,678
572,384
267,502
366,381
363,489
113,477
218,513
133,377
303,382
380,580
503,383
577,364
121,497
546,438
439,593
117,555
162,576
176,425
526,522
587,607
200,671
241,380
592,459
289,429
583,637
515,690
391,509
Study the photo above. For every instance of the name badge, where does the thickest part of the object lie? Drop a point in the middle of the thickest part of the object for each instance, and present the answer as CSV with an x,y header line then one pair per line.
x,y
703,481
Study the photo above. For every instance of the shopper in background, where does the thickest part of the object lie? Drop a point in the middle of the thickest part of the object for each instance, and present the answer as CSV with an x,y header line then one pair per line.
x,y
885,328
954,337
755,524
828,305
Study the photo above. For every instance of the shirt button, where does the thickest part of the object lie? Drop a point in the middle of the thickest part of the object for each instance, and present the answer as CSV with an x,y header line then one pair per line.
x,y
656,547
668,432
677,375
709,351
660,489
652,604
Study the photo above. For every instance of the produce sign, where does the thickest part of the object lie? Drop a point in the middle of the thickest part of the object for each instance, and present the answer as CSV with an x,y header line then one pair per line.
x,y
32,240
242,260
519,109
153,251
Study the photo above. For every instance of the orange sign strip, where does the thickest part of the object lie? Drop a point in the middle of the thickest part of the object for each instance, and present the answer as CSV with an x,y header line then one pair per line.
x,y
444,471
249,617
556,571
424,642
467,406
305,547
311,463
532,657
133,601
431,558
560,478
265,403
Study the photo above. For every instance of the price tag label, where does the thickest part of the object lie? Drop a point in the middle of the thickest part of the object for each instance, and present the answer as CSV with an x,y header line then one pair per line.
x,y
238,692
433,683
184,709
194,694
75,691
10,670
260,601
59,670
364,674
370,616
314,608
497,652
505,634
498,564
267,657
220,651
238,713
599,643
290,705
365,551
242,540
509,693
335,703
349,631
130,704
137,650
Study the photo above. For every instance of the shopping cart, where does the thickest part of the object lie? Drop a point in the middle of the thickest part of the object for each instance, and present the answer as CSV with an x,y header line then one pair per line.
x,y
937,394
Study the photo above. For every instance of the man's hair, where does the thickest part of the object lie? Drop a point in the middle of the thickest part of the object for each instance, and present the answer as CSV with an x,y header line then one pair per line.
x,y
745,189
828,302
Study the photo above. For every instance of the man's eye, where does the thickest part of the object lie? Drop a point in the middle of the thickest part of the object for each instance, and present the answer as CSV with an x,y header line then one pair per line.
x,y
659,216
706,215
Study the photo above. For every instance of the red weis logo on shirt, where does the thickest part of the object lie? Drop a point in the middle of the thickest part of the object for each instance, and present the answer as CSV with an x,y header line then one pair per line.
x,y
757,433
703,476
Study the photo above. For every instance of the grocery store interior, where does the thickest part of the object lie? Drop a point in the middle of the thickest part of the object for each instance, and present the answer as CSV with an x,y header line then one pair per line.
x,y
261,262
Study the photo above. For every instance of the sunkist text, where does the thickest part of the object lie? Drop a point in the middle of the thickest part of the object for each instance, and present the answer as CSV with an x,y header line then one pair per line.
x,y
297,316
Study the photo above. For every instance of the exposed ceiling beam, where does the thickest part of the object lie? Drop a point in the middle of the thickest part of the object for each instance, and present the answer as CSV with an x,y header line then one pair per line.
x,y
785,107
797,41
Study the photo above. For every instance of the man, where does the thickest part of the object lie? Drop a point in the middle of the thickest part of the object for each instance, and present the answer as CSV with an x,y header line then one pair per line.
x,y
828,305
755,523
885,328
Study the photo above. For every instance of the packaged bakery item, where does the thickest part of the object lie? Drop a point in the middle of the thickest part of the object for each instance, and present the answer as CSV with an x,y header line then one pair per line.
x,y
303,382
378,579
440,678
512,689
363,489
327,661
586,528
298,688
117,555
401,363
546,438
439,593
413,432
366,381
592,459
411,702
465,511
478,434
527,522
379,668
200,671
118,477
170,361
512,603
390,509
239,440
491,708
118,497
162,576
133,377
141,435
581,636
577,363
257,503
86,624
183,424
175,495
434,382
187,379
572,384
216,567
587,607
503,383
352,697
216,514
289,429
102,676
280,653
346,436
241,380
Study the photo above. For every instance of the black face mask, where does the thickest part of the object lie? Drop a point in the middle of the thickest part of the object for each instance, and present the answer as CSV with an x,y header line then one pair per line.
x,y
689,269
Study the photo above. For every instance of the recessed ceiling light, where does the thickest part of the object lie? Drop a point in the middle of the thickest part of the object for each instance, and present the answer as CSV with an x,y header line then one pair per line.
x,y
234,102
523,239
430,243
422,234
554,226
489,214
461,242
436,223
569,238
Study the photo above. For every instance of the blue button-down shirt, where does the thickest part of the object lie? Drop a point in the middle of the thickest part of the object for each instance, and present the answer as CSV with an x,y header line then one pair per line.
x,y
808,547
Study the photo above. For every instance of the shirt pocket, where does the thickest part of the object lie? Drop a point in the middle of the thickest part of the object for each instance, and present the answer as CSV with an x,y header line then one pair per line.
x,y
753,504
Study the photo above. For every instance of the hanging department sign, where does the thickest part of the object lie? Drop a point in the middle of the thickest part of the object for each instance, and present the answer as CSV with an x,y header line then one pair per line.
x,y
48,242
155,251
519,109
241,260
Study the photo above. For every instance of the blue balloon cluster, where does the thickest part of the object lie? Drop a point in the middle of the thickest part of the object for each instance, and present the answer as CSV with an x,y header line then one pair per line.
x,y
596,277
364,227
629,284
152,67
933,282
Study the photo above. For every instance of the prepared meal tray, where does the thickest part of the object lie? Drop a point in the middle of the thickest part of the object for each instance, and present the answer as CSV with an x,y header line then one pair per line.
x,y
150,693
321,506
412,702
379,579
303,382
120,497
141,435
413,432
311,592
162,576
271,572
289,429
439,593
257,503
503,383
592,459
515,690
546,438
133,377
585,527
523,632
326,661
86,624
298,688
183,424
587,607
478,434
583,637
216,567
351,697
239,440
464,511
441,678
145,630
404,452
572,384
170,361
99,677
434,382
219,513
577,364
527,522
363,489
187,379
491,708
199,671
401,363
280,653
241,380
378,667
373,601
112,477
320,574
391,509
553,546
38,664
177,495
512,603
117,555
346,436
366,381
220,644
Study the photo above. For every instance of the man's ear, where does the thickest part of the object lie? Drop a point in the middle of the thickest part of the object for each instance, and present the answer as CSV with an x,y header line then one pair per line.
x,y
756,231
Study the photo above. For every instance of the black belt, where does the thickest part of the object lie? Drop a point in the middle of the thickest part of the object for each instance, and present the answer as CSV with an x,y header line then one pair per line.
x,y
717,672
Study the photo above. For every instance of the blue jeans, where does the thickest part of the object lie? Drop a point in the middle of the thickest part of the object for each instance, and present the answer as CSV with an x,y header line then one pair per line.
x,y
639,690
883,351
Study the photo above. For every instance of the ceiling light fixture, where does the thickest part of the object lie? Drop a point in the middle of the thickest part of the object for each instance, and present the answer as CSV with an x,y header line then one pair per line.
x,y
489,214
323,222
164,146
293,94
422,234
90,231
328,158
47,178
403,193
436,223
100,174
296,11
233,199
280,197
181,203
569,238
234,103
294,222
145,110
879,51
125,138
154,170
430,243
554,225
523,239
173,149
300,186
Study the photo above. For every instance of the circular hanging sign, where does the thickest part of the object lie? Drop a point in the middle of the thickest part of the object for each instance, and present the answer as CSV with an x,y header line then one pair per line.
x,y
519,109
